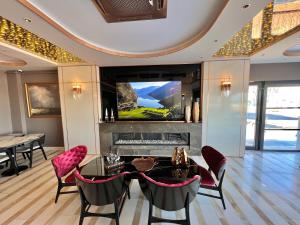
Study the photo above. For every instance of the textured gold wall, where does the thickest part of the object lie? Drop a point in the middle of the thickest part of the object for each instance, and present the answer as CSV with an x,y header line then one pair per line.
x,y
12,34
242,43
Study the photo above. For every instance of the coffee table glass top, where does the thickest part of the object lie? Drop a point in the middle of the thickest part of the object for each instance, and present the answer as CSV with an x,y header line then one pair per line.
x,y
163,169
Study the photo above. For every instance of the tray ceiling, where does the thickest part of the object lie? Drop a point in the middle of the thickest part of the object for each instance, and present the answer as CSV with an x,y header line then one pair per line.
x,y
185,24
136,48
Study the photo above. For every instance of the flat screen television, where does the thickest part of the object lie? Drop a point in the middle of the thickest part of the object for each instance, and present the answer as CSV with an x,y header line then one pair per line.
x,y
160,100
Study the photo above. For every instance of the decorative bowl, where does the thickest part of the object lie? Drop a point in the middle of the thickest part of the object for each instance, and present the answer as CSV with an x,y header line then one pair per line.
x,y
143,164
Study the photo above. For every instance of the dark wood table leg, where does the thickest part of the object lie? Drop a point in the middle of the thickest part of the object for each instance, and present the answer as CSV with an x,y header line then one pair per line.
x,y
14,168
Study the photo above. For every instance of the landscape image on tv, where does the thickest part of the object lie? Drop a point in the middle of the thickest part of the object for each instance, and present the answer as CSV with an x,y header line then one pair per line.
x,y
149,100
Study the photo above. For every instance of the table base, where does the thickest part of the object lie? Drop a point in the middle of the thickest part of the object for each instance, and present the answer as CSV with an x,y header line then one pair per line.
x,y
10,172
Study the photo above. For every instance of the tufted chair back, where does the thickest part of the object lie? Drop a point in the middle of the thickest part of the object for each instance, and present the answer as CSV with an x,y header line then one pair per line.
x,y
67,161
215,160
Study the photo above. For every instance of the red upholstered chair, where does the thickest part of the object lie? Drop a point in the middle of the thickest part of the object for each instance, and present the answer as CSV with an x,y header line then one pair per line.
x,y
64,163
169,197
216,164
101,192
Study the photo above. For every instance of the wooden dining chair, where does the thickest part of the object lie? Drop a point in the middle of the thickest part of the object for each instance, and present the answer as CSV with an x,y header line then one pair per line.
x,y
169,197
27,150
216,164
64,164
101,192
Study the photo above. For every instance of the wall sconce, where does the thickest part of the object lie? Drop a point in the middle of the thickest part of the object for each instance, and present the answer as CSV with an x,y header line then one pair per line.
x,y
225,88
76,89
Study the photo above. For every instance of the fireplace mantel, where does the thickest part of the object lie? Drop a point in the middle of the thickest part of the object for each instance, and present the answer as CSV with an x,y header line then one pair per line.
x,y
107,130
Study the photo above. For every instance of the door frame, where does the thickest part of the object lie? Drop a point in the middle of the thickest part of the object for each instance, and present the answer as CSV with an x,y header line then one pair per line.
x,y
258,114
263,107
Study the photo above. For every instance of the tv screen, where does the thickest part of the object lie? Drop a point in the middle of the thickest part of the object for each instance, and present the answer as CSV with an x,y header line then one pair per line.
x,y
149,100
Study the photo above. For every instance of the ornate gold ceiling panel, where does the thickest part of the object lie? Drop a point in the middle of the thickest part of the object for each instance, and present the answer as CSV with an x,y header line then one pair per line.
x,y
13,34
276,22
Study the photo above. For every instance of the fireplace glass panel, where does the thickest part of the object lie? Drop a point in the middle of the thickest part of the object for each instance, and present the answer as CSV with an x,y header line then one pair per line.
x,y
151,139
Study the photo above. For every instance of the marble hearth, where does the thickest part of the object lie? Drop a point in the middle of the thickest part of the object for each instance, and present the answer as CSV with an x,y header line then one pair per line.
x,y
150,138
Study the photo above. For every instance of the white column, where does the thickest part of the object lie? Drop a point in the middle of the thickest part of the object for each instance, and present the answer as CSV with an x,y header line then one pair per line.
x,y
81,116
224,118
5,113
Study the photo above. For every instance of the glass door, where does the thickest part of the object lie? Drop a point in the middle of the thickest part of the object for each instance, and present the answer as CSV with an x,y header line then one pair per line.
x,y
252,116
281,120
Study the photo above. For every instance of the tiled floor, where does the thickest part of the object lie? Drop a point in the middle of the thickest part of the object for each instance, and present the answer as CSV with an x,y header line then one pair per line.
x,y
262,188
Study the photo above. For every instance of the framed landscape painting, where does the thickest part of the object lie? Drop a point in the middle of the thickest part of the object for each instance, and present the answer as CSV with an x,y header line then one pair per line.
x,y
42,99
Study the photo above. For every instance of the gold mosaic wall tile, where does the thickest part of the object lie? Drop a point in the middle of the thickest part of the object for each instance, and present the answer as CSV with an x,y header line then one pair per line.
x,y
243,44
13,34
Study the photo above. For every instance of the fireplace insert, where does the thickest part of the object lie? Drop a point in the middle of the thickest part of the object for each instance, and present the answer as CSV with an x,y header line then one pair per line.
x,y
176,139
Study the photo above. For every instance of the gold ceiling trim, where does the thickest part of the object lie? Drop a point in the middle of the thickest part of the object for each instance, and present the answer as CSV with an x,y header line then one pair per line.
x,y
167,51
13,34
243,44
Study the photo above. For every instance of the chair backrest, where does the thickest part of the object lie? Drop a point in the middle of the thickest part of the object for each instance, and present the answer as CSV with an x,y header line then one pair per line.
x,y
67,161
38,142
101,192
41,140
215,160
169,197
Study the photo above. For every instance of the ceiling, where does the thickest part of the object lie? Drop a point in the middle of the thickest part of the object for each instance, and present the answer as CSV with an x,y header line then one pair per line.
x,y
277,52
6,60
293,51
32,62
193,31
137,37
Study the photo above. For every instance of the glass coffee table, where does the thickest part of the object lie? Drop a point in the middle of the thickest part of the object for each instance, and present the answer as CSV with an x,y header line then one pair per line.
x,y
162,170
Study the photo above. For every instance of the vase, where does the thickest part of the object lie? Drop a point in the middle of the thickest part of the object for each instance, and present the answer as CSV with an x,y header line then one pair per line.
x,y
106,118
196,111
188,114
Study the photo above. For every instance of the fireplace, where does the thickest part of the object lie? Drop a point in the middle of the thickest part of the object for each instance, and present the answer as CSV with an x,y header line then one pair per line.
x,y
141,138
150,138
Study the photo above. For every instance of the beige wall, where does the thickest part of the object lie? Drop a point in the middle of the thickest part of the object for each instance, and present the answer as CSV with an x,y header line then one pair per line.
x,y
52,127
275,72
224,118
5,115
80,117
16,103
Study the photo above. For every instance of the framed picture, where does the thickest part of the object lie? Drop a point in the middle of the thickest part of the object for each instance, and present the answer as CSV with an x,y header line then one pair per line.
x,y
43,99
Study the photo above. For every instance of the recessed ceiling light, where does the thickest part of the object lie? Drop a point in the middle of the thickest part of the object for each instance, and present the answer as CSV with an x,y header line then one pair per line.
x,y
151,2
27,20
246,6
20,71
215,40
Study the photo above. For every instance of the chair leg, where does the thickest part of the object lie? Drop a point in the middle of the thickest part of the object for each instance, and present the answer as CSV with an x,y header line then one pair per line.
x,y
187,210
30,159
117,216
23,154
59,187
222,198
43,151
128,192
150,211
82,211
6,164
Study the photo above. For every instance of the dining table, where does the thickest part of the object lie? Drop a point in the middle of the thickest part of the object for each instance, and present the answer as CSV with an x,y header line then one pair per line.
x,y
99,168
9,144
